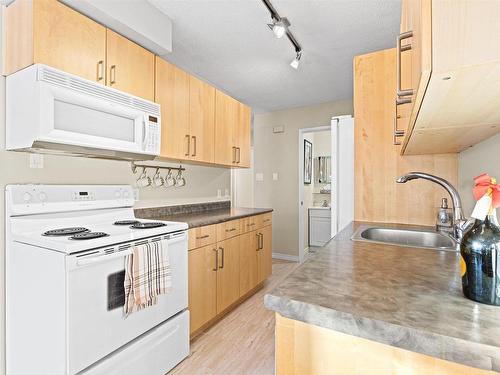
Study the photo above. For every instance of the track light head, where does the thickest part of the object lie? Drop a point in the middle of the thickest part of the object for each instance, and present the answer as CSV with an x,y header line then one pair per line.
x,y
279,26
295,62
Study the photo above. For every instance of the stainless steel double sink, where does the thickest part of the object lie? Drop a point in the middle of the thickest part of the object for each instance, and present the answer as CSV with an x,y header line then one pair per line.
x,y
422,238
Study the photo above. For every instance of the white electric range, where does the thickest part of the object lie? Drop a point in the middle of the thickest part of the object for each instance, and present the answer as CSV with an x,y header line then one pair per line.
x,y
65,254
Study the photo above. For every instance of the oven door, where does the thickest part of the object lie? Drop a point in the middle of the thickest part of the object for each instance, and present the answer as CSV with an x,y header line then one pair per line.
x,y
95,294
74,118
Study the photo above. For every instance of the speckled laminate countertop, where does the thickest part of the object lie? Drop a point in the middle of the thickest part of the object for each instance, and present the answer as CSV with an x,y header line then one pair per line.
x,y
406,297
202,218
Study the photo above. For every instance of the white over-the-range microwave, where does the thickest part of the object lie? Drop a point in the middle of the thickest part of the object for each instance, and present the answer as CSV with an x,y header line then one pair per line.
x,y
51,111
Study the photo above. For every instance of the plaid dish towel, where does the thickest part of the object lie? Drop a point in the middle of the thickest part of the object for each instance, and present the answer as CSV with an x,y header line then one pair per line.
x,y
147,275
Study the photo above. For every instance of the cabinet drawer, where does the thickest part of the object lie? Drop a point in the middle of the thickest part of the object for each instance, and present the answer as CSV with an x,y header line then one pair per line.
x,y
249,223
264,220
228,229
201,236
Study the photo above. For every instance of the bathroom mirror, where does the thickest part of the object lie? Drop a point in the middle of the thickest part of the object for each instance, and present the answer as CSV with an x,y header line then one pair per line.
x,y
322,169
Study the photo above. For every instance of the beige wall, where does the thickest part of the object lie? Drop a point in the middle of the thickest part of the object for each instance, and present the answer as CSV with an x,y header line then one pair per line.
x,y
279,153
478,159
202,185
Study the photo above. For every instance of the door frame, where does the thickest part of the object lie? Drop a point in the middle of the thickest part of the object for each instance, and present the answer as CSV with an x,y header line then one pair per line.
x,y
300,202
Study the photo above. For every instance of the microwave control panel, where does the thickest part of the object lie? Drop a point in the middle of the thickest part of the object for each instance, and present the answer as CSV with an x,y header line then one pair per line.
x,y
152,136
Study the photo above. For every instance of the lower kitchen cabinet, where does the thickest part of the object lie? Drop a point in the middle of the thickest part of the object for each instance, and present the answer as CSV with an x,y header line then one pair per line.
x,y
249,269
228,274
227,261
202,285
265,264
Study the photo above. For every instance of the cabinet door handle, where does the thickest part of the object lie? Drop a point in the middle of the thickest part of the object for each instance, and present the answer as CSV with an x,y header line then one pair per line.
x,y
238,153
396,132
222,259
400,92
194,145
202,237
234,154
100,70
258,241
216,260
188,144
112,75
261,241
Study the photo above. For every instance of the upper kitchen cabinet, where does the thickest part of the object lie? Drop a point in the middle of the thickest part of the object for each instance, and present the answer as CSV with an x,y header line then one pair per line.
x,y
232,131
455,70
51,33
172,93
188,114
201,120
130,67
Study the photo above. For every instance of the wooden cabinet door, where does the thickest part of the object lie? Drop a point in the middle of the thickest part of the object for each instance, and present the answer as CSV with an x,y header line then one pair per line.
x,y
248,261
67,40
172,93
226,119
201,120
130,67
242,136
228,275
265,254
202,273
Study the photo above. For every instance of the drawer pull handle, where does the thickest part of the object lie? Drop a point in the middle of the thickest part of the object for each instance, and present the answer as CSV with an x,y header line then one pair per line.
x,y
230,230
202,237
265,221
251,224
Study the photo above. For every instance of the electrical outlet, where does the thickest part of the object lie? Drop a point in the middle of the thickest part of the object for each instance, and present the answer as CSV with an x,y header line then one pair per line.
x,y
279,129
226,193
275,176
36,161
259,177
219,193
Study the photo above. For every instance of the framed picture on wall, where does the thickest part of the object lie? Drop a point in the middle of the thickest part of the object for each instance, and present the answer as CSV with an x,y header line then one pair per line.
x,y
307,162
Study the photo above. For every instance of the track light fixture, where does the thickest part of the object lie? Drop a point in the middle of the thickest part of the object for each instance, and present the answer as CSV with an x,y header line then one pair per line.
x,y
295,62
280,27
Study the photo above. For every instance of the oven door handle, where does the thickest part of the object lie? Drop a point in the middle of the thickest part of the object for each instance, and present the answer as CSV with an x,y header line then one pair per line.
x,y
102,258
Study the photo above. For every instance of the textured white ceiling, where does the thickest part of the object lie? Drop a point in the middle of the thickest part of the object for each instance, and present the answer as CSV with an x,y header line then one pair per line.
x,y
227,43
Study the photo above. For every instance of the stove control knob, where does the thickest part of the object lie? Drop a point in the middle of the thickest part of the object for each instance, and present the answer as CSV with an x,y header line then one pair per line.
x,y
42,196
118,194
27,197
126,194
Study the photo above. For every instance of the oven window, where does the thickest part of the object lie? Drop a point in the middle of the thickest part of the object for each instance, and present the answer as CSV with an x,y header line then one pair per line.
x,y
83,120
116,290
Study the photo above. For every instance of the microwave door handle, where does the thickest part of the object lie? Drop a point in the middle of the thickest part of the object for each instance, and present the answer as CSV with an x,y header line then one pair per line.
x,y
145,132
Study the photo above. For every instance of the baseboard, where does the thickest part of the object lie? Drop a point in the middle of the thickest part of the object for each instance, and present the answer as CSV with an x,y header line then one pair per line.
x,y
292,258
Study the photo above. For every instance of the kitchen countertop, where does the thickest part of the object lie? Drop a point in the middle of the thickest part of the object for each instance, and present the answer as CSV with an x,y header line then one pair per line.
x,y
406,297
205,217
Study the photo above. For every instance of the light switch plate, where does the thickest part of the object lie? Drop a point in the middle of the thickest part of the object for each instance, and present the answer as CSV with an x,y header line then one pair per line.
x,y
259,177
275,176
36,161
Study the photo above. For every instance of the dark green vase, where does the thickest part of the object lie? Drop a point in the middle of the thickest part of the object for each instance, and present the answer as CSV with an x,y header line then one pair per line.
x,y
480,250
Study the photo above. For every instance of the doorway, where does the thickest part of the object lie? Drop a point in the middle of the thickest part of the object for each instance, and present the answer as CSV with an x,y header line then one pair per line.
x,y
326,182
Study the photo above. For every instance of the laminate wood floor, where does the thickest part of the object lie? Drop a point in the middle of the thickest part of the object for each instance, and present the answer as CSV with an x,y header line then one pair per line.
x,y
242,343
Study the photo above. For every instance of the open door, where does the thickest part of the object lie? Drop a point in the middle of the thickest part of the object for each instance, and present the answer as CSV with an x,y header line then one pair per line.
x,y
342,186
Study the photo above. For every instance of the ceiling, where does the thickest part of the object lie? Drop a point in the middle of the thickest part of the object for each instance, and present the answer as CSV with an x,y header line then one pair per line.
x,y
227,43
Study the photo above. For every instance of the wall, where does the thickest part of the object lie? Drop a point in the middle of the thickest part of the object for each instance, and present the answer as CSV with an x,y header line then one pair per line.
x,y
279,153
202,185
478,159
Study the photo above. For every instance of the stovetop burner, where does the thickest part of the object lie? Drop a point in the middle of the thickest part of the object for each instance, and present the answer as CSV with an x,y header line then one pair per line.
x,y
88,235
65,231
126,222
147,225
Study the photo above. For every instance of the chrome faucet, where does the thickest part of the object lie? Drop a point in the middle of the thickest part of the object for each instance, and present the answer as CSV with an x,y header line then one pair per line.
x,y
460,223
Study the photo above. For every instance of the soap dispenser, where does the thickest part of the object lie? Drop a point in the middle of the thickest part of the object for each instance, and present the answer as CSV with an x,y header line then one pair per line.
x,y
444,221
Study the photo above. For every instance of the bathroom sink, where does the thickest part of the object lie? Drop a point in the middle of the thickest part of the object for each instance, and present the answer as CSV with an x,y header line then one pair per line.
x,y
405,237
